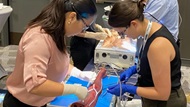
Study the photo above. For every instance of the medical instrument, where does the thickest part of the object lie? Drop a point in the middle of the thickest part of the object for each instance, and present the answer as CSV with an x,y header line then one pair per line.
x,y
123,55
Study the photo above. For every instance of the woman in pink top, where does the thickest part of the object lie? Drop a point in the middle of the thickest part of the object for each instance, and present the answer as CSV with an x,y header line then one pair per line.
x,y
42,61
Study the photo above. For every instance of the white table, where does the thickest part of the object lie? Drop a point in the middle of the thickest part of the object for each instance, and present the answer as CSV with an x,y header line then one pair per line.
x,y
5,12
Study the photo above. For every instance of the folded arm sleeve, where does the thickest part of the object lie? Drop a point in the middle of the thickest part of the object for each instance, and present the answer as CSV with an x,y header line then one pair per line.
x,y
36,51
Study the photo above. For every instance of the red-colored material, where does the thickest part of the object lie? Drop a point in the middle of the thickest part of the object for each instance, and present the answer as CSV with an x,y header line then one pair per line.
x,y
94,91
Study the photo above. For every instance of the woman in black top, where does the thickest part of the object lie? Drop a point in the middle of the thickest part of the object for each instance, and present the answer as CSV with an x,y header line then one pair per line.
x,y
159,61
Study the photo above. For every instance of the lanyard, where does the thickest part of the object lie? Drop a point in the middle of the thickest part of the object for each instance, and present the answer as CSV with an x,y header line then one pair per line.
x,y
146,35
145,38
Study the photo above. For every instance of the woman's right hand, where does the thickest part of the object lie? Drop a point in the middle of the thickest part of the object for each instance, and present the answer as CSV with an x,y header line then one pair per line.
x,y
78,90
81,92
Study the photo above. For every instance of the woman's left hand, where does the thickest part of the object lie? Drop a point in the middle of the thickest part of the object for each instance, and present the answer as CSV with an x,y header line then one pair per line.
x,y
88,76
83,75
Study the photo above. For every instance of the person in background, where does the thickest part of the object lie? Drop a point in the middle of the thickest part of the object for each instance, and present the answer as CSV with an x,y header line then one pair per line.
x,y
164,12
159,74
82,46
42,61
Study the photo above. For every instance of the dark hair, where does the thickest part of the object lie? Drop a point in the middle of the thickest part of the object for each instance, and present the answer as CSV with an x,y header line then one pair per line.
x,y
52,18
123,12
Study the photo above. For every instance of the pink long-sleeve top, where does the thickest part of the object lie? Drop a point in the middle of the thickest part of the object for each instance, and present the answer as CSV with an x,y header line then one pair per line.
x,y
38,59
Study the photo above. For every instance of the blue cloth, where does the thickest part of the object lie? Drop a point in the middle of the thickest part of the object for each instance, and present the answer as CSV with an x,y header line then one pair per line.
x,y
167,12
104,99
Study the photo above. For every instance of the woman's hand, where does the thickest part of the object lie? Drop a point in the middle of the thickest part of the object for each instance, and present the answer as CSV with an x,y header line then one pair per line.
x,y
80,91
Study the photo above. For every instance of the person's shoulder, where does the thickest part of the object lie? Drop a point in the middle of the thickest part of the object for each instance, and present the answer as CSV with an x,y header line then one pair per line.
x,y
157,2
35,33
162,2
158,44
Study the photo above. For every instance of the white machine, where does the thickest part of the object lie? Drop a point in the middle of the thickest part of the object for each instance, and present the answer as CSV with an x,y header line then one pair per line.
x,y
121,54
122,57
